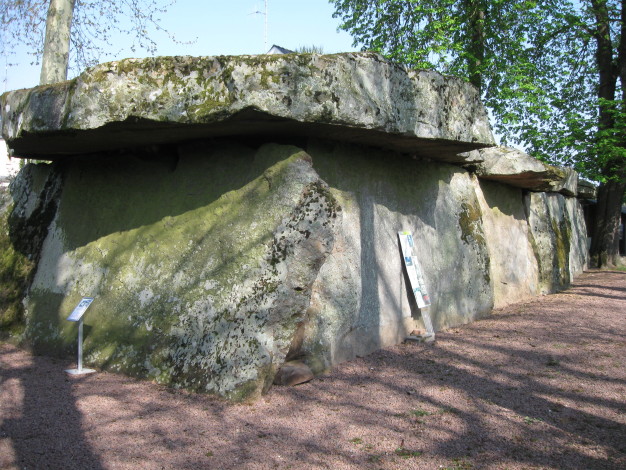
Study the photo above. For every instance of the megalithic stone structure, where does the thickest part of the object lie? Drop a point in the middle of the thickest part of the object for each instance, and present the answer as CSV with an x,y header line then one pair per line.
x,y
232,214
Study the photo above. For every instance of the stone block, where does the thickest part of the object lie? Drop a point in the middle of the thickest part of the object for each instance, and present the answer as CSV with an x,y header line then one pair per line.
x,y
516,168
293,373
357,97
201,272
586,189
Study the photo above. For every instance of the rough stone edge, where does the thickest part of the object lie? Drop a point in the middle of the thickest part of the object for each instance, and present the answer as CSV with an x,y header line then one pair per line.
x,y
43,111
523,172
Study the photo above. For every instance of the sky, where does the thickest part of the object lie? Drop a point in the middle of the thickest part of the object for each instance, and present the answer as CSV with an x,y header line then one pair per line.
x,y
217,27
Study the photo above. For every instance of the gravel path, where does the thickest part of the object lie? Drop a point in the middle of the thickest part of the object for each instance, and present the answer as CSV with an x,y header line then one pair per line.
x,y
538,385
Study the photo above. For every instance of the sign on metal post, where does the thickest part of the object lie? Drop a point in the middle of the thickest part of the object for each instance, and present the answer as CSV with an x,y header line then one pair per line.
x,y
80,309
77,316
416,279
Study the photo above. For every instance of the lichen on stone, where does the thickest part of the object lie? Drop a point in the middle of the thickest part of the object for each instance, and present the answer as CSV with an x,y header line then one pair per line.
x,y
200,275
470,221
551,232
562,244
356,92
16,272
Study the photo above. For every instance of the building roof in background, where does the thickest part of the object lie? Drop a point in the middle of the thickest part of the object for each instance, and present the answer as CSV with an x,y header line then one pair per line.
x,y
279,50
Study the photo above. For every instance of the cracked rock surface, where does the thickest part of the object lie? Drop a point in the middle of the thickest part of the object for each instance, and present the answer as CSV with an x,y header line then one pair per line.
x,y
358,97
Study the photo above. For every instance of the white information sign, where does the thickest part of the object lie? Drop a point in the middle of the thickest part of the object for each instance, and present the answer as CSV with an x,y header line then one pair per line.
x,y
416,279
80,309
77,316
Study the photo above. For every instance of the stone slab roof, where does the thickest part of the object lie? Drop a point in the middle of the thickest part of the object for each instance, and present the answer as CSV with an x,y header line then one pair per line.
x,y
517,168
355,97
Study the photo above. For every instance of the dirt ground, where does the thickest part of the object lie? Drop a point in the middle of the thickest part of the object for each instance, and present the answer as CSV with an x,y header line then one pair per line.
x,y
538,385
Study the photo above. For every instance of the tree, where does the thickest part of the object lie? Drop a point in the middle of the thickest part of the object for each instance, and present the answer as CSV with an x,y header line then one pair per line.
x,y
76,33
56,49
551,72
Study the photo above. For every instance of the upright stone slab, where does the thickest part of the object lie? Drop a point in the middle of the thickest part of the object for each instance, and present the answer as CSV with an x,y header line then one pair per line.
x,y
557,233
360,299
514,270
201,269
35,194
579,252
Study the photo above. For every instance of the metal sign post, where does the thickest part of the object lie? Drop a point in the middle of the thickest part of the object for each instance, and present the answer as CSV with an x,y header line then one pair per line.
x,y
416,280
77,316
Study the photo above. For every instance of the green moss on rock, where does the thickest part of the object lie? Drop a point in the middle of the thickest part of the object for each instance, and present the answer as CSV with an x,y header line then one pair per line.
x,y
16,272
551,231
470,221
472,233
562,244
200,272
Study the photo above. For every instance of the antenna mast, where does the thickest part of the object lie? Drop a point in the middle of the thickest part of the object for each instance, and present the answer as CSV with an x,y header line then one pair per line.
x,y
266,26
264,13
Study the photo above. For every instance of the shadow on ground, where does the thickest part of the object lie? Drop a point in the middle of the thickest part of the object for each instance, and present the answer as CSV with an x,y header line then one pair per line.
x,y
46,430
537,385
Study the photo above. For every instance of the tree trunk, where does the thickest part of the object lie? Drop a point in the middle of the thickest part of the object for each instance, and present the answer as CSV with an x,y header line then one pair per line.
x,y
476,31
607,71
621,67
56,49
605,236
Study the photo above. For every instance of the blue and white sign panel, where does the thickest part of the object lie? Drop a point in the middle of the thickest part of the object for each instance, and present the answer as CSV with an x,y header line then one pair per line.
x,y
80,309
416,279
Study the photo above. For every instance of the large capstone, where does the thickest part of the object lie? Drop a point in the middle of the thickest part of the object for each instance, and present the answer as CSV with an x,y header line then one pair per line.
x,y
517,168
355,97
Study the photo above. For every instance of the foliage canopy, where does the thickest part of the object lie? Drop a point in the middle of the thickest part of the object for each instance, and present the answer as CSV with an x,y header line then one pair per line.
x,y
534,61
551,72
